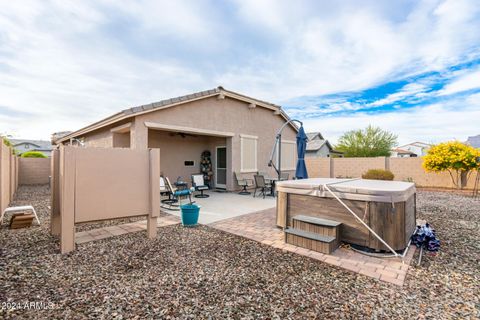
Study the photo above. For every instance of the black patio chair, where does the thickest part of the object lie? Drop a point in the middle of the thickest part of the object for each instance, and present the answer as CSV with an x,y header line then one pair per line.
x,y
199,184
262,185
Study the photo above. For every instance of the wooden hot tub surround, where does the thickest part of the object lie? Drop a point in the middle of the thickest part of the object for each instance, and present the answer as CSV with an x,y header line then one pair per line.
x,y
394,221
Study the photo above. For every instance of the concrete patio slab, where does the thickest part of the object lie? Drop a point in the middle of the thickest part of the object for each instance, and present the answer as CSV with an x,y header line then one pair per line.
x,y
226,205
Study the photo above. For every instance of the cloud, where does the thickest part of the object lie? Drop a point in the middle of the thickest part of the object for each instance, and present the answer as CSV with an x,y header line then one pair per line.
x,y
469,81
409,91
432,123
64,64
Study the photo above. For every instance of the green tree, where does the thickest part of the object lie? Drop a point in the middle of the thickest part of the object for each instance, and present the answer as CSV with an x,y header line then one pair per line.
x,y
8,143
368,142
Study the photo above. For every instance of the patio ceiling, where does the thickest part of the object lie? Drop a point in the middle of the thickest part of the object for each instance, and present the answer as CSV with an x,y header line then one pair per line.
x,y
167,127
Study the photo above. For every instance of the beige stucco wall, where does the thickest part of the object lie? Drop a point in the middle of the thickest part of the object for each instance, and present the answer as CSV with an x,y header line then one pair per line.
x,y
226,115
178,149
34,170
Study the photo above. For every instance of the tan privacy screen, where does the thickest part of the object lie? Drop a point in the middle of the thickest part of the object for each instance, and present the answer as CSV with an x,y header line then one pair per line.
x,y
111,183
249,153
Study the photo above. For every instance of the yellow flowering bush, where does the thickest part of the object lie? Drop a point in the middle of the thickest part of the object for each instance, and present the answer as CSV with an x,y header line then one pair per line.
x,y
454,157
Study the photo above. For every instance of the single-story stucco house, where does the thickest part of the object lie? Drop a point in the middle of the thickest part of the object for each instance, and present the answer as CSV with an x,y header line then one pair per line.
x,y
414,149
239,132
319,147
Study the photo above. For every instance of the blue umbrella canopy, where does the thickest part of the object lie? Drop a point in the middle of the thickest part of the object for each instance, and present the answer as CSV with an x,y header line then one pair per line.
x,y
301,171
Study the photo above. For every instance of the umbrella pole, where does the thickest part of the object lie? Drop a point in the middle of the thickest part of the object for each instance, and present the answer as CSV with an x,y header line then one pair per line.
x,y
279,171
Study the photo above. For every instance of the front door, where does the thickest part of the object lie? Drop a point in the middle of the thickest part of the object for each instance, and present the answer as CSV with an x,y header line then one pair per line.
x,y
221,168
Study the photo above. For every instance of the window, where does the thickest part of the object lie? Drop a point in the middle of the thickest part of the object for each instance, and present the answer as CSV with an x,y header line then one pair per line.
x,y
289,155
189,163
248,150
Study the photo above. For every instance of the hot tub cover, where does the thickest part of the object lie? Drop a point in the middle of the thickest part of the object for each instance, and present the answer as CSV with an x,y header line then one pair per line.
x,y
352,189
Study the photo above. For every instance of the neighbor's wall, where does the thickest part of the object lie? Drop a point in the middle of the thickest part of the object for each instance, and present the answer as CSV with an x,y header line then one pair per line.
x,y
8,175
34,170
404,169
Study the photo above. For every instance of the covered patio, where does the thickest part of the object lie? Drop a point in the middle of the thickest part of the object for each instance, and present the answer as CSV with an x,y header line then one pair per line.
x,y
225,205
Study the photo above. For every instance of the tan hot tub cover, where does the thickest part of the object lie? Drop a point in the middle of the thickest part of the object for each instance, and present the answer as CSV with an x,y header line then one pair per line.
x,y
351,189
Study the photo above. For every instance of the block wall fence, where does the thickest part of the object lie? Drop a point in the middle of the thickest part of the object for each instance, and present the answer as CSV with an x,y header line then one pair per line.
x,y
8,175
34,170
404,169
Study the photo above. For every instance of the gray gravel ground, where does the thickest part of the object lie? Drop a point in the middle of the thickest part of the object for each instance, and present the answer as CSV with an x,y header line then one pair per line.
x,y
206,273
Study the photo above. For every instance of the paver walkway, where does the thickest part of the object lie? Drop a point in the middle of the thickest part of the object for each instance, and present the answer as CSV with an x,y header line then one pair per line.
x,y
116,230
261,227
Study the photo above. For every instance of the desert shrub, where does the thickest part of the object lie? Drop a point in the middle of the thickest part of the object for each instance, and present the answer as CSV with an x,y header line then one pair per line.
x,y
378,174
33,154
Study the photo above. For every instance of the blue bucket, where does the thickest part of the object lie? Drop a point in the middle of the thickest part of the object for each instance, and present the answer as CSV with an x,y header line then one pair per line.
x,y
190,214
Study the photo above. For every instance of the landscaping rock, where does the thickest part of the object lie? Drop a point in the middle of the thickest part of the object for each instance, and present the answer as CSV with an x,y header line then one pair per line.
x,y
205,273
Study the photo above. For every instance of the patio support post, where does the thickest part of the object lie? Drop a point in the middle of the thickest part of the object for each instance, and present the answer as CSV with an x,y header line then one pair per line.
x,y
67,206
138,135
152,217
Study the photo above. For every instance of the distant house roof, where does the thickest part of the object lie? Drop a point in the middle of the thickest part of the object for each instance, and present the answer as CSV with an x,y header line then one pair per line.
x,y
402,151
417,144
314,135
316,141
163,104
37,145
474,141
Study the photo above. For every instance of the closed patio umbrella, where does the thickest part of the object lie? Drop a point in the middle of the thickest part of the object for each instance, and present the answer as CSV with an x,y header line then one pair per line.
x,y
301,171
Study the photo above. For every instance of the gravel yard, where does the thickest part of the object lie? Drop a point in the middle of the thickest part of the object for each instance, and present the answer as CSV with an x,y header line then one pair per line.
x,y
206,273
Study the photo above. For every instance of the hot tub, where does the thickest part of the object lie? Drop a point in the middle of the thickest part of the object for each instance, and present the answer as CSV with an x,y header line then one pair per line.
x,y
387,207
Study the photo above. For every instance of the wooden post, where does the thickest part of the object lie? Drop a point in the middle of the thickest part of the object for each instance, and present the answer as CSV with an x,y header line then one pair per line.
x,y
67,201
154,155
282,199
55,195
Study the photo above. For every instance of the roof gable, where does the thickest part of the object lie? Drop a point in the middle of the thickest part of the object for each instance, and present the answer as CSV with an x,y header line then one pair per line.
x,y
169,103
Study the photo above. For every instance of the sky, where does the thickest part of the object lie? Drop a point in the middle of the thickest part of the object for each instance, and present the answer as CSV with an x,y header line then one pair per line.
x,y
410,67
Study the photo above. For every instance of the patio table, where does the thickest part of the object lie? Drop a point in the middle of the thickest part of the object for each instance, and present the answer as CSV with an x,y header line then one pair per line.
x,y
181,185
273,181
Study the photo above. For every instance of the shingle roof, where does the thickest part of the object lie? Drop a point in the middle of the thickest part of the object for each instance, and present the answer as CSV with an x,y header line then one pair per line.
x,y
312,135
43,144
398,150
314,145
172,102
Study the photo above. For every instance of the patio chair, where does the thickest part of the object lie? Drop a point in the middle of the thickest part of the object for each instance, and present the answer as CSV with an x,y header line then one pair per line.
x,y
244,183
175,196
262,185
199,184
